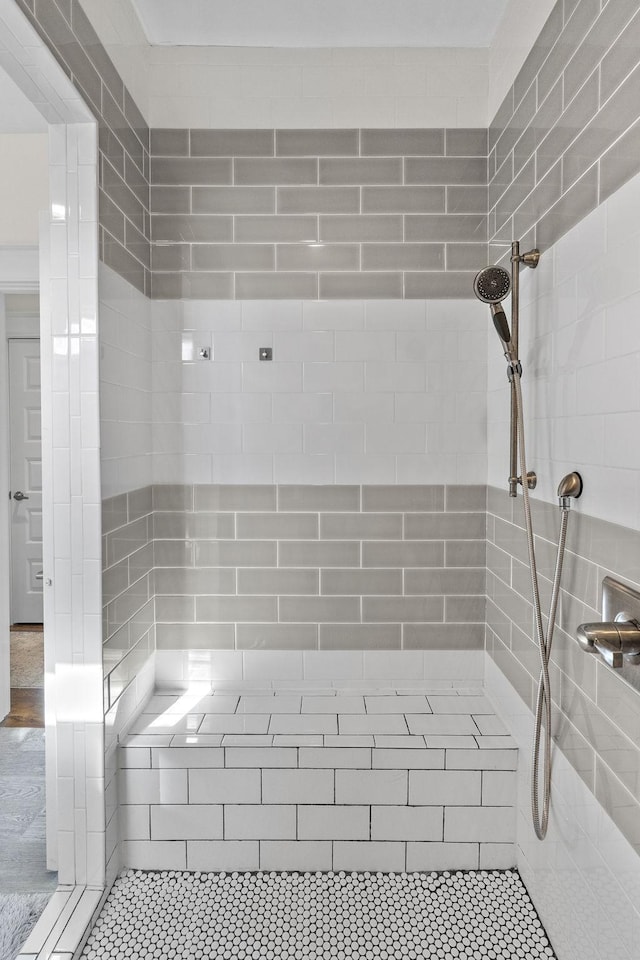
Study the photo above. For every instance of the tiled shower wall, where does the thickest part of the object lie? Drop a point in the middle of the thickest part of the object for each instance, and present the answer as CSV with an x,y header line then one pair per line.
x,y
567,135
329,214
123,135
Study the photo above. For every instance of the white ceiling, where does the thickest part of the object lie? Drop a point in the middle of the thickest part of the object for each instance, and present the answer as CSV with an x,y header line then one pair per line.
x,y
17,114
321,23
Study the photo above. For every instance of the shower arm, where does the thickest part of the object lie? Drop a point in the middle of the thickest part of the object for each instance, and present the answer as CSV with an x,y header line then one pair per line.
x,y
529,259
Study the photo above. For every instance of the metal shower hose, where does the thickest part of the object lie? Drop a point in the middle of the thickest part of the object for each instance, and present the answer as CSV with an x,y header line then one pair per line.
x,y
543,703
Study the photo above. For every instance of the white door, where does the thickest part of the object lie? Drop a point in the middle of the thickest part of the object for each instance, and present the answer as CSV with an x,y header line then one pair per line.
x,y
26,481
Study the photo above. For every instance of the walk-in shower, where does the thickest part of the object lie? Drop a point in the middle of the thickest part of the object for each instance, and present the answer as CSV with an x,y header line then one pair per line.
x,y
492,285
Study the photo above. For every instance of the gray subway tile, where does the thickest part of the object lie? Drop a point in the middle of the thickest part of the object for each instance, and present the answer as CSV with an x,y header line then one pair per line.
x,y
415,199
237,609
446,170
110,216
402,609
567,127
231,143
402,142
314,257
234,553
195,580
466,199
231,199
194,526
547,192
399,497
195,636
314,553
572,207
620,163
466,256
233,256
171,200
465,497
361,170
172,553
340,582
445,227
191,229
275,171
403,553
276,636
361,229
118,191
169,143
321,498
539,52
114,512
574,32
318,199
277,580
276,229
449,581
344,286
276,526
171,257
614,17
443,636
278,286
466,142
436,286
354,526
621,59
139,502
402,256
192,286
360,636
172,496
464,609
445,526
234,497
191,170
521,186
317,143
517,125
123,262
465,553
319,609
175,609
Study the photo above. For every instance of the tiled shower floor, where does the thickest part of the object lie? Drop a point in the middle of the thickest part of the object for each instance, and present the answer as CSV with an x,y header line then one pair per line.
x,y
480,915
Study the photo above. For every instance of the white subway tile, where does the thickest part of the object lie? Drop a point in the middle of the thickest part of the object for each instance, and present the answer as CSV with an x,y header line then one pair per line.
x,y
224,786
296,855
442,787
406,823
260,822
192,821
442,856
153,786
217,855
297,786
360,855
155,854
479,824
371,786
333,822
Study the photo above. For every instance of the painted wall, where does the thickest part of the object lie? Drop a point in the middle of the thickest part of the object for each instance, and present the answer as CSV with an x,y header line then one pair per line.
x,y
24,187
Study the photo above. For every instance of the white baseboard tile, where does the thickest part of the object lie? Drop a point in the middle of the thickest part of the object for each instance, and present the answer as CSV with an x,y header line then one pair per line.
x,y
218,855
175,669
353,855
442,856
296,855
584,878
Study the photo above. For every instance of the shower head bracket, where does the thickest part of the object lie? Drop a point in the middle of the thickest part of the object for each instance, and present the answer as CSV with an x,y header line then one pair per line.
x,y
529,259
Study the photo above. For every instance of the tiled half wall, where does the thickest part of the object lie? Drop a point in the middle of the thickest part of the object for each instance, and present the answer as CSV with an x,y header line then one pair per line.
x,y
291,567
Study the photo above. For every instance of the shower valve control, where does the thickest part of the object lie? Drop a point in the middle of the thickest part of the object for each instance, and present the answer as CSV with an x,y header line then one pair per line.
x,y
617,637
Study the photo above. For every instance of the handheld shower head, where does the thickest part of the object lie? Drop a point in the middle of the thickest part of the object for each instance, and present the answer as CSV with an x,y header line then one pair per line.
x,y
492,285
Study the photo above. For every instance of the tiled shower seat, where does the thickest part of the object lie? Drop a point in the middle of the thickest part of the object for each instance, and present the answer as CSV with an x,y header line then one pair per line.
x,y
279,778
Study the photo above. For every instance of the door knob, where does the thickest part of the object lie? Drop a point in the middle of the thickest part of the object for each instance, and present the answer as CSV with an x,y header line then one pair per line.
x,y
19,495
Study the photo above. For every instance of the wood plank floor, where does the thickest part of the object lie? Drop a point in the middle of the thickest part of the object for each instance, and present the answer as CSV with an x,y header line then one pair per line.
x,y
27,708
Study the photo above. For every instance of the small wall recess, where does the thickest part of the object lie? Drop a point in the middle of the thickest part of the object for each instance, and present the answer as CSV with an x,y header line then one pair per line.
x,y
266,353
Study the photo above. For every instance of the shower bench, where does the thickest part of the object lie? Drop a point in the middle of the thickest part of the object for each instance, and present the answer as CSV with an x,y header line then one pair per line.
x,y
272,777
